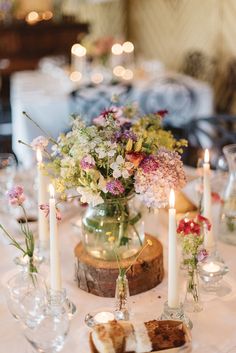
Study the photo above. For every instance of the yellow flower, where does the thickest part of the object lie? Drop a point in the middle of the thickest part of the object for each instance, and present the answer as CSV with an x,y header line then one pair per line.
x,y
129,145
138,145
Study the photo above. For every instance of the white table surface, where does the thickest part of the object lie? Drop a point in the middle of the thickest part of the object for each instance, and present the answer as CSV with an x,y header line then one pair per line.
x,y
214,327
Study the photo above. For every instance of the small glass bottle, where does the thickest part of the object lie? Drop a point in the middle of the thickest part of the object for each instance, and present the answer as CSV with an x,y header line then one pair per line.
x,y
192,301
121,296
227,227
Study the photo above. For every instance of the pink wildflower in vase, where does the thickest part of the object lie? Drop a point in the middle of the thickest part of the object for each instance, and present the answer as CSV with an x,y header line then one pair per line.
x,y
16,196
45,209
202,255
115,187
87,162
40,143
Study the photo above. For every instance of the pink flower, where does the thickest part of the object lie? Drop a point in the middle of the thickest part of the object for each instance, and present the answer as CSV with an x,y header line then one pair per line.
x,y
202,255
115,187
204,221
45,209
16,195
156,175
87,162
40,143
149,164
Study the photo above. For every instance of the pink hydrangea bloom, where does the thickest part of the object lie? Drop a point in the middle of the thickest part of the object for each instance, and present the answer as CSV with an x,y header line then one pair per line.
x,y
40,143
154,181
16,195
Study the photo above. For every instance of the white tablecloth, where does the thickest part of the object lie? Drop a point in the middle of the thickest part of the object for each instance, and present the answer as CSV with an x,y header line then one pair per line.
x,y
214,327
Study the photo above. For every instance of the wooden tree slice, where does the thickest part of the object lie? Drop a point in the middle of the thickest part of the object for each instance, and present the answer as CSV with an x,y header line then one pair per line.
x,y
99,277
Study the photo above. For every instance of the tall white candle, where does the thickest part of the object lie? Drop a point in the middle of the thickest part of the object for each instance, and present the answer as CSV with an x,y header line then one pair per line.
x,y
55,265
78,58
128,49
117,55
173,266
207,212
43,229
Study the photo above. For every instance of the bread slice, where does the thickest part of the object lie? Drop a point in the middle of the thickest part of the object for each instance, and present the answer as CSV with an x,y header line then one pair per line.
x,y
152,336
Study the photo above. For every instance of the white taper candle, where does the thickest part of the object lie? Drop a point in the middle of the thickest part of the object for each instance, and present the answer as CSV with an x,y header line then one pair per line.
x,y
43,229
173,266
55,265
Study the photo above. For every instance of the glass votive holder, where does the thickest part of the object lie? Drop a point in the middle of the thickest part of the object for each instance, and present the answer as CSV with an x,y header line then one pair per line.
x,y
211,273
100,316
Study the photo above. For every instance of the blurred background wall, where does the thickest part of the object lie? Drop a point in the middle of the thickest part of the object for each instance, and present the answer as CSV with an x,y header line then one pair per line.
x,y
165,29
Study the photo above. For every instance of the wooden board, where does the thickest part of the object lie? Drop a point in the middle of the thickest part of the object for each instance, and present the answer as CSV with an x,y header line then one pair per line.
x,y
99,277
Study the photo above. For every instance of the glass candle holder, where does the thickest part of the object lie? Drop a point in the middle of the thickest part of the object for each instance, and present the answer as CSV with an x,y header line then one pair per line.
x,y
211,273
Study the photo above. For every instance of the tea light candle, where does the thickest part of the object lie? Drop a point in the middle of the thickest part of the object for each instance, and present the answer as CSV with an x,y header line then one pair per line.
x,y
43,229
104,317
173,290
211,267
55,265
208,239
78,58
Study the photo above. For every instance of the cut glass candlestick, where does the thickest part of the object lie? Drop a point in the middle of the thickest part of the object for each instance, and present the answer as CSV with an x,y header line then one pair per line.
x,y
176,314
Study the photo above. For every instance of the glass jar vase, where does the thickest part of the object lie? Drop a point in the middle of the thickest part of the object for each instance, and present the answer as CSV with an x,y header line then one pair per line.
x,y
113,229
227,227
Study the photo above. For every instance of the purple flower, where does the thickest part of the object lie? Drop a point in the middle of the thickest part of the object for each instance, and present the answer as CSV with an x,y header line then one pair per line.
x,y
45,209
115,187
39,143
16,195
149,164
125,135
202,255
87,162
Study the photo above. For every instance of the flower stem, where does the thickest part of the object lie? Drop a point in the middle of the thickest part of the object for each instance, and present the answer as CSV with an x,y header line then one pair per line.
x,y
39,127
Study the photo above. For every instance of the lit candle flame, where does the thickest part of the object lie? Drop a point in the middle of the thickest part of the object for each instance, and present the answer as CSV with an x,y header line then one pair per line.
x,y
128,47
172,199
51,191
78,50
206,156
117,49
39,156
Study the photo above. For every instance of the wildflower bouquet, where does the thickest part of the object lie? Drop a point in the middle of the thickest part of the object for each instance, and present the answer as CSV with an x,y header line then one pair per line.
x,y
115,158
107,163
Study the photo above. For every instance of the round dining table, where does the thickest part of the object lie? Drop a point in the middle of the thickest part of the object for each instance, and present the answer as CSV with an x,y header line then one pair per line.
x,y
214,328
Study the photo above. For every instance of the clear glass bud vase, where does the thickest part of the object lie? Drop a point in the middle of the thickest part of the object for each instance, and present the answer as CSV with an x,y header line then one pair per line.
x,y
192,301
227,229
121,297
